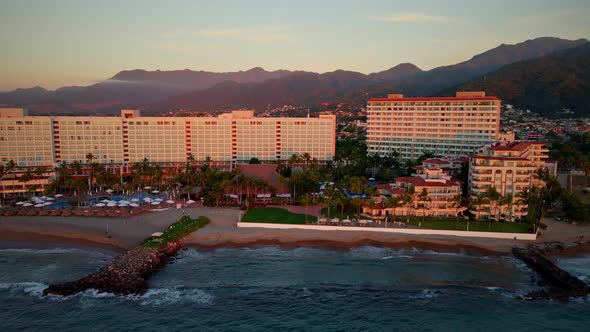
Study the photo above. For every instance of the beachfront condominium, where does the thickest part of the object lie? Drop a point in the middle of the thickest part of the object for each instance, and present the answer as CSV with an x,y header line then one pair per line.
x,y
509,168
444,126
232,137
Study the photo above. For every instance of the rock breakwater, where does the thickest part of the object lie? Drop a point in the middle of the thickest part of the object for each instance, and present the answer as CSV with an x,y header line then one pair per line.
x,y
560,285
127,274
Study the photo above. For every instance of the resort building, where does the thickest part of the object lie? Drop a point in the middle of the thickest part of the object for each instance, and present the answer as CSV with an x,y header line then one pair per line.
x,y
234,137
432,191
445,126
509,168
231,138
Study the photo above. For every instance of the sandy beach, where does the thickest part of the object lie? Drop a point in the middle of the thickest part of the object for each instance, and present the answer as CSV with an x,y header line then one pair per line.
x,y
128,232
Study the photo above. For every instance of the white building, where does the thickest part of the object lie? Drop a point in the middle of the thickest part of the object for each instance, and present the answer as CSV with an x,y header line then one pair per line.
x,y
445,126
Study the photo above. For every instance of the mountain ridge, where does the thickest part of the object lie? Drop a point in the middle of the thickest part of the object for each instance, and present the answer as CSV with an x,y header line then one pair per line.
x,y
256,87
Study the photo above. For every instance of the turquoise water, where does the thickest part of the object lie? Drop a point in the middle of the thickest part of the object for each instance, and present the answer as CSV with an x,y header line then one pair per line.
x,y
305,289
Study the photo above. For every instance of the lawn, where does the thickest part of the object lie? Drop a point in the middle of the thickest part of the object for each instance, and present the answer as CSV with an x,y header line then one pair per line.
x,y
275,216
177,231
449,223
461,225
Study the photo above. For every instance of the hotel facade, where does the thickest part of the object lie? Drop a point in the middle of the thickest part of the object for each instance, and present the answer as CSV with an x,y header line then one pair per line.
x,y
233,137
510,168
445,126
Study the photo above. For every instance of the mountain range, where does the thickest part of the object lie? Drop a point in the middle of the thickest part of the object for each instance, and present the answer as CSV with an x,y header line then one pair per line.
x,y
258,88
546,84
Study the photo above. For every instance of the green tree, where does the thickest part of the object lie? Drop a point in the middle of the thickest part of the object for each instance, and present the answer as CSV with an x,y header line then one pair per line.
x,y
306,200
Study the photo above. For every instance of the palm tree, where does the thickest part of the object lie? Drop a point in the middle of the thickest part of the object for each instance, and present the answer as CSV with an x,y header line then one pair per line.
x,y
508,201
393,203
477,202
76,167
95,168
26,177
493,196
456,202
306,199
423,197
294,159
306,157
408,202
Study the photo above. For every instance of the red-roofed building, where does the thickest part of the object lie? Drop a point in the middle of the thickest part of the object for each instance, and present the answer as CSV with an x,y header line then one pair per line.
x,y
441,199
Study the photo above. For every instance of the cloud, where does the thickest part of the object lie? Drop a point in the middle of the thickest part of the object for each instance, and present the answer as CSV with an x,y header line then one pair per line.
x,y
410,18
259,35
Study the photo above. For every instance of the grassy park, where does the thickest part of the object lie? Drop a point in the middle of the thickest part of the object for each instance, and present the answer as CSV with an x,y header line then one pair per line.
x,y
448,223
461,225
275,216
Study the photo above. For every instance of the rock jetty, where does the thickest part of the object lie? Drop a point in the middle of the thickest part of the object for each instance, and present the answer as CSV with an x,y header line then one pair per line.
x,y
560,285
125,275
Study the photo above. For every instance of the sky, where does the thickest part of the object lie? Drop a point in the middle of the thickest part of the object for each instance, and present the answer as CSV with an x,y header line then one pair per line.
x,y
80,42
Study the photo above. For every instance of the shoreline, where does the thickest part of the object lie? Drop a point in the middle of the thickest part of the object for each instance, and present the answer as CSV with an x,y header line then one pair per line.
x,y
31,240
128,233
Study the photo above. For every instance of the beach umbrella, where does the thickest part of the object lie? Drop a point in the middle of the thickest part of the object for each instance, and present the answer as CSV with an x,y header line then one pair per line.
x,y
106,201
170,201
42,197
111,204
158,199
135,200
39,205
155,191
100,205
27,204
49,199
147,199
147,188
59,195
47,203
110,191
155,203
190,201
134,205
20,203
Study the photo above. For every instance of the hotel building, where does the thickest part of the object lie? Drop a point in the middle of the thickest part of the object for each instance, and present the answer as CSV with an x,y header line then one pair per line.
x,y
445,126
510,168
236,137
442,200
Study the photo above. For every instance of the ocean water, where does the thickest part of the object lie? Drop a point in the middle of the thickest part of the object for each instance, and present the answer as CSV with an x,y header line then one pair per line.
x,y
304,289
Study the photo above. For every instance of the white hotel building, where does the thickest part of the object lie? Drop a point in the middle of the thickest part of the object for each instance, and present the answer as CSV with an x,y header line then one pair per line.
x,y
445,126
233,137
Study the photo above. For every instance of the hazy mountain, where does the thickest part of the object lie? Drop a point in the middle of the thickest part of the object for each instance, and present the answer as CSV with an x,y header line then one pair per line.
x,y
430,82
545,84
400,71
353,87
165,90
299,88
197,80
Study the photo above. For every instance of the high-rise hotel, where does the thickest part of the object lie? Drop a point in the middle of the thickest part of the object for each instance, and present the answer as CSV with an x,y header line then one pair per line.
x,y
233,137
445,126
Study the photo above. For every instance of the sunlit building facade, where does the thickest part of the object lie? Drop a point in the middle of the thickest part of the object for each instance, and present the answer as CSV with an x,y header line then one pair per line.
x,y
510,169
444,126
234,137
